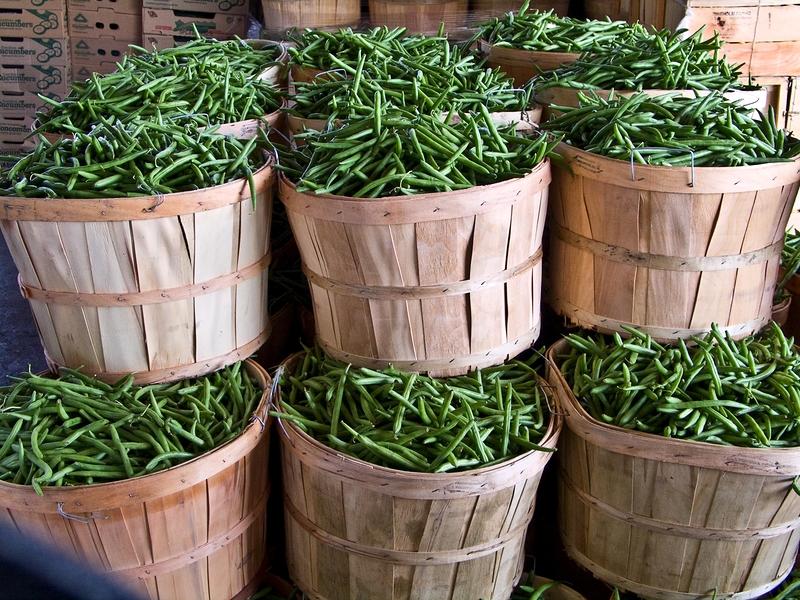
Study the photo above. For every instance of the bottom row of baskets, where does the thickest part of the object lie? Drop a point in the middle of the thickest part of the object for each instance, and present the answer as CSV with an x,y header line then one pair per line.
x,y
398,485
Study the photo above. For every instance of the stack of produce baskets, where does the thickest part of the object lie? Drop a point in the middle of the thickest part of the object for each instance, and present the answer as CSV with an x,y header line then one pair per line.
x,y
141,236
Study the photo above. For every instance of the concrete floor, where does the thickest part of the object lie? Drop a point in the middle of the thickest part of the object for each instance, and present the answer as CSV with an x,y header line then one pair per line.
x,y
19,342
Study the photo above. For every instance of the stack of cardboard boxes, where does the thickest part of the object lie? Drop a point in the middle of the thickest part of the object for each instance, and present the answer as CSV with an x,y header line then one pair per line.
x,y
167,23
34,59
100,32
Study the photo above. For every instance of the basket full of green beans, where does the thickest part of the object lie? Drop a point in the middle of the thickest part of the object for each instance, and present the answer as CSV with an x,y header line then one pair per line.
x,y
391,446
529,42
672,445
171,472
204,82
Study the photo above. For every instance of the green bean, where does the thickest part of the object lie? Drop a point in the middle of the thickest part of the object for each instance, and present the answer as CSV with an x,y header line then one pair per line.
x,y
545,31
116,435
681,131
413,422
696,392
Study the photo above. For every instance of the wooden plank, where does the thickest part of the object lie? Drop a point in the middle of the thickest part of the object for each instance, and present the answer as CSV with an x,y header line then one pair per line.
x,y
765,58
441,256
369,522
488,307
747,23
216,253
162,262
111,258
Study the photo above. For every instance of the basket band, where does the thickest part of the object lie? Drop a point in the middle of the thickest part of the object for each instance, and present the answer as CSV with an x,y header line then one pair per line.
x,y
676,529
511,348
458,288
405,557
146,298
664,262
663,594
195,554
197,369
587,319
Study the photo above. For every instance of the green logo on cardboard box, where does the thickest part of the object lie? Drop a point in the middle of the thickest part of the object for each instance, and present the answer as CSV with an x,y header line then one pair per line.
x,y
52,76
202,26
47,21
52,49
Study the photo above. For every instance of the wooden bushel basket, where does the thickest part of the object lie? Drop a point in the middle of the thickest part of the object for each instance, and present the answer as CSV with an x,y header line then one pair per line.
x,y
440,283
780,311
280,15
163,287
667,249
357,530
524,65
672,519
419,16
196,531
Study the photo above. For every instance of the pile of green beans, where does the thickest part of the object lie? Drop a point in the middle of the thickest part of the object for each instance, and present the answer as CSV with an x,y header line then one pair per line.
x,y
663,60
76,430
528,591
204,82
790,262
464,84
545,31
738,393
413,422
395,152
134,159
673,130
319,49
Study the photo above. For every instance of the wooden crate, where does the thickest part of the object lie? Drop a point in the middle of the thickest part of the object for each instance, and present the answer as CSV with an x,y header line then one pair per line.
x,y
763,34
793,106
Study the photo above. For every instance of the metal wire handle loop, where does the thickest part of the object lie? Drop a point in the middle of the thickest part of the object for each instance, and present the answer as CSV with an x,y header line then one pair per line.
x,y
680,150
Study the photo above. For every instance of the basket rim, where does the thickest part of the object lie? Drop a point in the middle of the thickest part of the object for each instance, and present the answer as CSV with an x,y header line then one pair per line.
x,y
288,430
160,483
487,46
640,444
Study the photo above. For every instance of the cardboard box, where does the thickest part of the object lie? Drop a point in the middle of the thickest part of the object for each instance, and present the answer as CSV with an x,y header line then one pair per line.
x,y
178,22
43,51
14,134
123,7
105,23
170,41
44,79
82,71
87,50
22,104
55,5
33,22
231,7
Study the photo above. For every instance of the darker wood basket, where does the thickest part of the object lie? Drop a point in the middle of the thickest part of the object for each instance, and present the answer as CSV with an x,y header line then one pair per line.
x,y
524,65
669,250
196,531
672,519
353,528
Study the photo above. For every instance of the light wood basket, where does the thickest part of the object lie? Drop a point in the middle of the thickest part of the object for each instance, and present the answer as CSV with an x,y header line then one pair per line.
x,y
439,283
671,519
780,311
670,250
419,16
524,65
357,530
196,531
280,15
163,287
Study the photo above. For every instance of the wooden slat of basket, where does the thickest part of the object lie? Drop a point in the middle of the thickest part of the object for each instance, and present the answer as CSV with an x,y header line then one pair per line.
x,y
284,14
418,16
